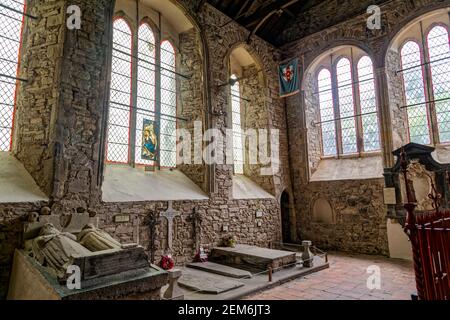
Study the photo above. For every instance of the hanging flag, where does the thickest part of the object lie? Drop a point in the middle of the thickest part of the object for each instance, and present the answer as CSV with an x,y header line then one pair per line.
x,y
289,79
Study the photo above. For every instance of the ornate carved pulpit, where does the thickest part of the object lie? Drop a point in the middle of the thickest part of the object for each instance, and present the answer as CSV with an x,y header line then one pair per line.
x,y
424,173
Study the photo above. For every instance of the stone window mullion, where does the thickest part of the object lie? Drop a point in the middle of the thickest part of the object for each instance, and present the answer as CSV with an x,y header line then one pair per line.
x,y
358,112
134,90
158,99
337,111
429,94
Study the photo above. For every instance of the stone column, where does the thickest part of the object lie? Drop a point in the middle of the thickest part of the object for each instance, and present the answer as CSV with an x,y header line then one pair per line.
x,y
381,83
83,105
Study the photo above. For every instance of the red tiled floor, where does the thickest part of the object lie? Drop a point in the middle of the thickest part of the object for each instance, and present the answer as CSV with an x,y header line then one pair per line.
x,y
346,279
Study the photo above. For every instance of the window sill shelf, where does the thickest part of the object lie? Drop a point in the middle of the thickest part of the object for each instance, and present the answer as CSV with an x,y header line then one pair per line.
x,y
246,189
366,168
125,184
16,184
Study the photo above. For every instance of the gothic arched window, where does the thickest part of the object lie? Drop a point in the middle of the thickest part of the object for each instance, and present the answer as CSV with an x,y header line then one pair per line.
x,y
118,148
425,70
327,113
168,105
152,104
238,144
146,85
415,93
368,101
348,108
11,24
439,55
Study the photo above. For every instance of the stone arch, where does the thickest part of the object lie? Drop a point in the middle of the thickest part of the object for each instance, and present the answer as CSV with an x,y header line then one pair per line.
x,y
409,30
322,211
311,62
413,18
328,60
171,21
242,60
122,15
252,53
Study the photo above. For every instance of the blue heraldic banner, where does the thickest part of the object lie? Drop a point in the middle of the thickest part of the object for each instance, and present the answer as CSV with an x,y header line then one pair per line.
x,y
149,140
289,79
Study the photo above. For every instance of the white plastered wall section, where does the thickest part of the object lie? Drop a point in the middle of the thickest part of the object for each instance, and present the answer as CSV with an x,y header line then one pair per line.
x,y
16,184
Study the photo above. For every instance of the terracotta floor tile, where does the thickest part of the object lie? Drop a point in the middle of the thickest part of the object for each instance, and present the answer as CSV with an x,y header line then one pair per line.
x,y
346,279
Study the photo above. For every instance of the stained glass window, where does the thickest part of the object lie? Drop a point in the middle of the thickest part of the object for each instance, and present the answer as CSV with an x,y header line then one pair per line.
x,y
11,23
368,100
146,87
130,110
120,94
238,145
327,113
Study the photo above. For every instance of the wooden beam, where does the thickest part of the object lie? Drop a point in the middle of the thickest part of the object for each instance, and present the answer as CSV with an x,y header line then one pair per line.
x,y
268,15
265,12
247,5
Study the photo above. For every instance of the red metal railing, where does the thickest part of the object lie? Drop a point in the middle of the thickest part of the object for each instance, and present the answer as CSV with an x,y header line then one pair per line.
x,y
430,238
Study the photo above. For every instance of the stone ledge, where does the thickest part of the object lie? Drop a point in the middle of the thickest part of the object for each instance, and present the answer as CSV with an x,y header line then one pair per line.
x,y
349,169
16,184
126,184
246,189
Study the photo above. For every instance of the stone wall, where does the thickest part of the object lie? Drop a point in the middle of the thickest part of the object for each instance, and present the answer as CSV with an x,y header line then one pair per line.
x,y
239,217
255,117
192,101
358,212
38,98
323,15
369,224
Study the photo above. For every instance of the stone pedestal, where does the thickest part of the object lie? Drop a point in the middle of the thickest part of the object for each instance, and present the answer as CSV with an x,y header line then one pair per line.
x,y
307,255
174,292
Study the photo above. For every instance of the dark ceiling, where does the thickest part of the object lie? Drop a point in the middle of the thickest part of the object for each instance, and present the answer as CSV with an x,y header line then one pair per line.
x,y
282,21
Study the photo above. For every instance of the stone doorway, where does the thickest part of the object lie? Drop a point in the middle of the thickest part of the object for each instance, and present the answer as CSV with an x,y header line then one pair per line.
x,y
286,218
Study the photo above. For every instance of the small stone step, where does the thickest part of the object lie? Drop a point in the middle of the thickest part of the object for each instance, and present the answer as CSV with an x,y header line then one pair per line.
x,y
207,283
220,269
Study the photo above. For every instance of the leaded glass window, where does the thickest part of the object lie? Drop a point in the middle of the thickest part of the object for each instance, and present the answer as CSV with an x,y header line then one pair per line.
x,y
368,99
346,106
238,145
425,70
11,23
327,113
130,109
438,49
349,121
120,94
146,86
414,86
168,106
